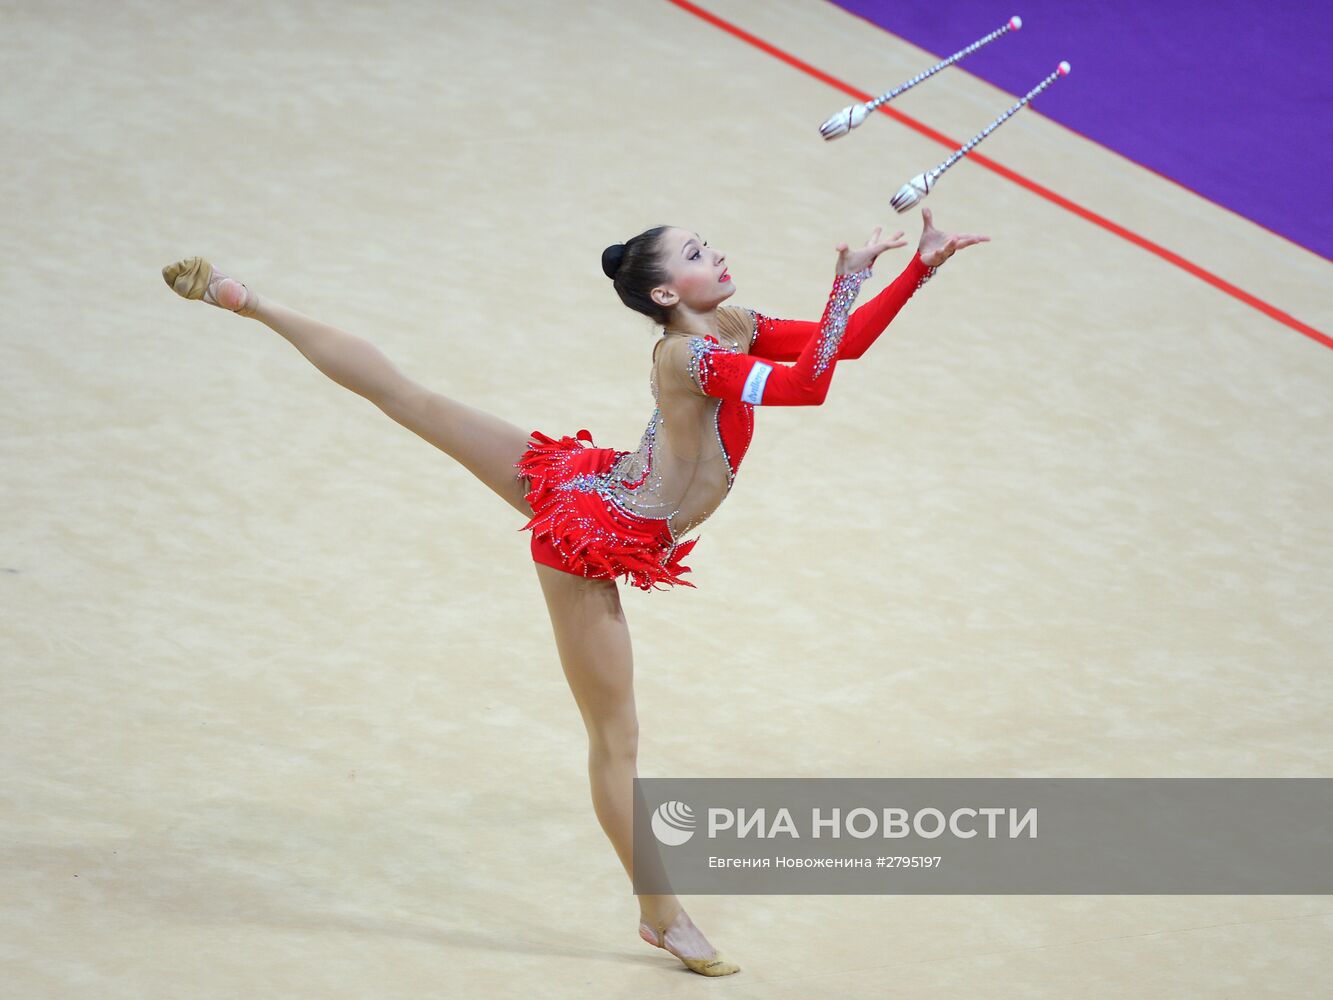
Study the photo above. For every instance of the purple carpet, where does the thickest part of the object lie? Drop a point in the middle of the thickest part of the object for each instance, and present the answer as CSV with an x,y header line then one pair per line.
x,y
1229,98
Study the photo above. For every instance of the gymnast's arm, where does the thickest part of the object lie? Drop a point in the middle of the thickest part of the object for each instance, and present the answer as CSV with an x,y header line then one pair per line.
x,y
749,378
868,322
784,339
711,370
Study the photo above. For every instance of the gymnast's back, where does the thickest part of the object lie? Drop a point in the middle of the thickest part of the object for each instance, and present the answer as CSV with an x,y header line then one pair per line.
x,y
683,470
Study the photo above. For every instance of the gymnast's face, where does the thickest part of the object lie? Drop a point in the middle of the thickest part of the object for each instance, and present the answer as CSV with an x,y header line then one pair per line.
x,y
698,273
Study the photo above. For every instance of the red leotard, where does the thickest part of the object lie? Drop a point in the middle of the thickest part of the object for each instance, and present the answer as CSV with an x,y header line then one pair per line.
x,y
603,513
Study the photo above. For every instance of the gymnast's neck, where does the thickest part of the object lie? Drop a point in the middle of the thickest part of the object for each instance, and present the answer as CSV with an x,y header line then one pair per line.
x,y
687,322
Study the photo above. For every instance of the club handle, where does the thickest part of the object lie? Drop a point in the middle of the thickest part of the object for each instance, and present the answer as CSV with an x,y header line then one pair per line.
x,y
1061,70
1013,24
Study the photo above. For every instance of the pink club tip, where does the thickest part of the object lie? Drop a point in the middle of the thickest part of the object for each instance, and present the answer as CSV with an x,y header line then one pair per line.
x,y
1063,69
1015,22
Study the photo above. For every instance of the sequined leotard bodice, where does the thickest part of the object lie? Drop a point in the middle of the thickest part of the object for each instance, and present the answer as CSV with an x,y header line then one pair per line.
x,y
693,445
706,389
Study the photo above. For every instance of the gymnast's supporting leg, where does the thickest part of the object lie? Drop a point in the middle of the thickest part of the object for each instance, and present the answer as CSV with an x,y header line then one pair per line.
x,y
482,443
593,640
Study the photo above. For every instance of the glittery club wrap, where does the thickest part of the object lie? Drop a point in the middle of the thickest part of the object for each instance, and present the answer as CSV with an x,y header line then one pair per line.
x,y
578,528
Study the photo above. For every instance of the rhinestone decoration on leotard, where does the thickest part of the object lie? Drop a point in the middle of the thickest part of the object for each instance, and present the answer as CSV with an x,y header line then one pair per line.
x,y
631,478
834,324
699,348
758,324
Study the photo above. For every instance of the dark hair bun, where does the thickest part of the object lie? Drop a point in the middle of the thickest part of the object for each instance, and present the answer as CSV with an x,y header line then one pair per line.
x,y
611,258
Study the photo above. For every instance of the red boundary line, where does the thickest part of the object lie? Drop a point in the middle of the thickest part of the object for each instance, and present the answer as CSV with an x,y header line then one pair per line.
x,y
1272,312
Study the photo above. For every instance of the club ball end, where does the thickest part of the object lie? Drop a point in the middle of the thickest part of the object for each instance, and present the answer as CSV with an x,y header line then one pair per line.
x,y
1015,22
1063,69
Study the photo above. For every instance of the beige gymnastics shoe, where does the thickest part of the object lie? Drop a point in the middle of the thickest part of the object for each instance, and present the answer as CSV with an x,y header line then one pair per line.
x,y
196,278
717,965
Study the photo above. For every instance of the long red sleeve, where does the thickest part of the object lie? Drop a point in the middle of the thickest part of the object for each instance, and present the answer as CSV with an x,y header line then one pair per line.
x,y
785,339
726,374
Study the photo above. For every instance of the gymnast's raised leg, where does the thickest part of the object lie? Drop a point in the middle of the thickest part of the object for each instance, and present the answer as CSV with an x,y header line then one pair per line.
x,y
482,443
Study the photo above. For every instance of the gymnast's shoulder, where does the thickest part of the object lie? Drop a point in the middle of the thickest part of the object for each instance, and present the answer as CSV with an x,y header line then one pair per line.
x,y
736,325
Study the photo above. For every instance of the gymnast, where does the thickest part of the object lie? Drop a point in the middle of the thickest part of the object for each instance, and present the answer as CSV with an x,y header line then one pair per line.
x,y
596,515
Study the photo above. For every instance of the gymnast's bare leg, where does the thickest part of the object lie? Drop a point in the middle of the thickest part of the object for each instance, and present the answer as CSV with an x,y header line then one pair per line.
x,y
593,639
484,444
591,633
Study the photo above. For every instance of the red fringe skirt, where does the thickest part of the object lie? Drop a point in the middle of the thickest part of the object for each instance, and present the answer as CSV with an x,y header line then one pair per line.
x,y
577,529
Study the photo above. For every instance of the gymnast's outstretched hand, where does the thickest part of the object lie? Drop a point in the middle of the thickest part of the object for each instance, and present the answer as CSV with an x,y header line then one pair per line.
x,y
851,261
935,247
